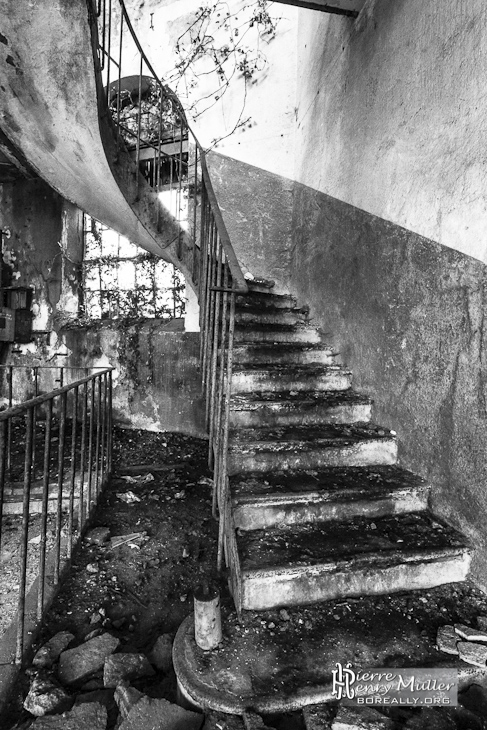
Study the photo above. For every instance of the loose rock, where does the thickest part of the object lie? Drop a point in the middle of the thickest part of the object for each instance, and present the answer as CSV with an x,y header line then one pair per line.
x,y
126,698
120,667
98,536
472,653
470,634
46,695
77,664
161,654
89,716
348,718
447,639
49,653
161,715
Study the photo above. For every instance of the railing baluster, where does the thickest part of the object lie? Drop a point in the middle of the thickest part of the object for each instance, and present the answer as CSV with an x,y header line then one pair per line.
x,y
98,438
24,539
90,449
44,510
84,415
214,353
9,422
72,479
60,484
3,465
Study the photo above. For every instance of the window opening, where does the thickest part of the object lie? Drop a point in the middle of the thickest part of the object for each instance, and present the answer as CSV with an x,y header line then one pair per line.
x,y
123,281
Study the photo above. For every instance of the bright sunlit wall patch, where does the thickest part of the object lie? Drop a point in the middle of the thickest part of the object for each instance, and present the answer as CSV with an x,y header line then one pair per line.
x,y
123,281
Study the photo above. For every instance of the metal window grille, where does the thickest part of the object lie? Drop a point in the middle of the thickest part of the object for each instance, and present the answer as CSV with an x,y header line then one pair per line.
x,y
122,281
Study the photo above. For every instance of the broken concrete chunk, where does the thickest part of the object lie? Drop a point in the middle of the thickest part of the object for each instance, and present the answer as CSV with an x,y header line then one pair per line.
x,y
348,718
482,623
447,639
49,653
88,716
472,653
77,664
120,667
161,654
470,634
98,536
161,715
45,695
222,721
126,698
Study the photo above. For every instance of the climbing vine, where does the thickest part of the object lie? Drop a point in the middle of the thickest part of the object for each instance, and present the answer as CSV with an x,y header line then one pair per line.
x,y
219,46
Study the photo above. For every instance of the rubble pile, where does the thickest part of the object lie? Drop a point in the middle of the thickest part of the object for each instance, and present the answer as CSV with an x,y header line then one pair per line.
x,y
88,687
465,642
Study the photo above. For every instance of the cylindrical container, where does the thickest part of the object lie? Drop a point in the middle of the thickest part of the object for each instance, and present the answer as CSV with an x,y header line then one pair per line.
x,y
207,617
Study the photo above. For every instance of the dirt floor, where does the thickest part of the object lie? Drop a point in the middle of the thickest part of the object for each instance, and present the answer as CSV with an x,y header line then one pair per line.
x,y
143,587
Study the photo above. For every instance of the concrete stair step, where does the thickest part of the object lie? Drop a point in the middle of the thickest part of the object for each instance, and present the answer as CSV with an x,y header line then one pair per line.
x,y
260,286
248,378
269,315
289,354
265,300
303,564
298,408
251,333
310,447
273,499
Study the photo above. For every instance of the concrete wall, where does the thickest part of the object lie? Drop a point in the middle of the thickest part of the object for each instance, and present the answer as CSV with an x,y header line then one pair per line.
x,y
157,384
391,115
43,250
257,209
408,317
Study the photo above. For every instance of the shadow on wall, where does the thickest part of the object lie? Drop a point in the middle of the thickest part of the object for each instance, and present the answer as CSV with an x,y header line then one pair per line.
x,y
407,315
157,383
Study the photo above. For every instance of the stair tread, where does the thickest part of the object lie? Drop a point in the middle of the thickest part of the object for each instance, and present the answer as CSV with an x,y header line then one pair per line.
x,y
311,437
280,327
358,481
273,347
391,539
303,369
303,399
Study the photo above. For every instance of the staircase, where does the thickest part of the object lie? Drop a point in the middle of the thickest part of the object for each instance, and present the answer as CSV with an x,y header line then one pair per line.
x,y
318,507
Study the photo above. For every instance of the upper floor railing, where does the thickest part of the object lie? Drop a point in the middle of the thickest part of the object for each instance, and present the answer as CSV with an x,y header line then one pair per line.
x,y
149,122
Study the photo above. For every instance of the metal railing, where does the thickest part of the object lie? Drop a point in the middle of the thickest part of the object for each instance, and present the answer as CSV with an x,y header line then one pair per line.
x,y
55,458
216,273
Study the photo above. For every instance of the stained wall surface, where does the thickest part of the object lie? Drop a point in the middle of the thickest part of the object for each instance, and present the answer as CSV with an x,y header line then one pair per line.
x,y
391,113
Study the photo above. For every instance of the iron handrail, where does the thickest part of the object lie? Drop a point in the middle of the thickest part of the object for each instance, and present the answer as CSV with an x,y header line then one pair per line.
x,y
23,407
165,92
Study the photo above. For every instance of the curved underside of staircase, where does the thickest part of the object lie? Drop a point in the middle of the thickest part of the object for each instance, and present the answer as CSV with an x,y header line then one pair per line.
x,y
50,113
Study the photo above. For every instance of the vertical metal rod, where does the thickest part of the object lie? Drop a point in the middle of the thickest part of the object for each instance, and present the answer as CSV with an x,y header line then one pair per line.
x,y
221,378
34,433
60,480
90,448
10,420
24,537
103,431
103,35
209,296
3,464
84,415
110,423
226,419
203,270
180,183
119,104
72,479
109,53
195,204
214,354
44,510
139,125
211,318
98,434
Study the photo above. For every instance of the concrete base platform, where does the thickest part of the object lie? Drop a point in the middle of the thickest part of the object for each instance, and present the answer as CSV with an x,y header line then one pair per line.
x,y
279,661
